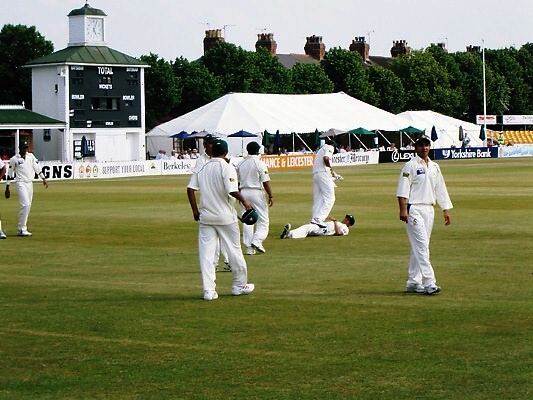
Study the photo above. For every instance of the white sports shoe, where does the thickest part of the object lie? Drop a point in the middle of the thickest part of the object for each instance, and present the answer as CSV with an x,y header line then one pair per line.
x,y
259,247
23,233
244,289
432,289
2,234
414,288
286,230
249,251
210,295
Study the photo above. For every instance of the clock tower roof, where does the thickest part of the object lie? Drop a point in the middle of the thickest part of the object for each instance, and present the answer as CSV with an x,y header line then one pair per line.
x,y
87,10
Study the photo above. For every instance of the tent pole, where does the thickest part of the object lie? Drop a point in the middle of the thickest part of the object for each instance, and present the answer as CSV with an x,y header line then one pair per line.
x,y
305,144
383,136
362,144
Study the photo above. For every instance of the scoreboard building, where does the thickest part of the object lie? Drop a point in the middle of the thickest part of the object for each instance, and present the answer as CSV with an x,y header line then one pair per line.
x,y
97,90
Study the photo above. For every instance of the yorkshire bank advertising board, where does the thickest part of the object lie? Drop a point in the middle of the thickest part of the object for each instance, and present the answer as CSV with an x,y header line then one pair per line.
x,y
470,152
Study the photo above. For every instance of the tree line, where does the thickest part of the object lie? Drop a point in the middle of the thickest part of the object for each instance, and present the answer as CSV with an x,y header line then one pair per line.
x,y
428,79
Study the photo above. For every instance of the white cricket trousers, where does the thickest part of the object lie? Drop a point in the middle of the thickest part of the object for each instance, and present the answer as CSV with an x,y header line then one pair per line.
x,y
255,233
306,230
419,227
323,195
229,236
25,195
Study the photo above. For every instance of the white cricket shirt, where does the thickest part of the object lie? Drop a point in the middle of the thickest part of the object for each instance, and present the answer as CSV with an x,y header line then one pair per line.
x,y
423,184
325,151
215,181
252,173
24,169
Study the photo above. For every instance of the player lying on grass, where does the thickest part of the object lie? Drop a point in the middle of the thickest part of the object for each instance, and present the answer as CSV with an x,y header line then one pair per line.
x,y
330,227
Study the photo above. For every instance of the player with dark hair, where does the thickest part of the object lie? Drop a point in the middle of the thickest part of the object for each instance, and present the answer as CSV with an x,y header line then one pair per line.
x,y
331,227
218,186
253,179
420,186
22,168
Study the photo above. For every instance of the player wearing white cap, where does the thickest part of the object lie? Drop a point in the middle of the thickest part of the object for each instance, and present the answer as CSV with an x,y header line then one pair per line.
x,y
218,186
323,185
23,167
420,186
253,178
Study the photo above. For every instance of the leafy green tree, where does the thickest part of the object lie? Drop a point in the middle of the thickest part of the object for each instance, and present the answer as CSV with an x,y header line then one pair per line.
x,y
345,69
505,63
310,79
426,83
389,89
162,90
456,78
232,64
199,85
268,75
497,90
525,59
19,44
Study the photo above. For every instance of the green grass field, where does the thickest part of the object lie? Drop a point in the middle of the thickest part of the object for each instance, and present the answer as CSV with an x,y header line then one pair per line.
x,y
105,300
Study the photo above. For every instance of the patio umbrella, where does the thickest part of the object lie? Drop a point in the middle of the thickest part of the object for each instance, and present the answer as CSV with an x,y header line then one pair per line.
x,y
332,132
242,134
198,135
411,129
482,133
182,135
360,131
461,133
266,139
277,142
317,137
434,135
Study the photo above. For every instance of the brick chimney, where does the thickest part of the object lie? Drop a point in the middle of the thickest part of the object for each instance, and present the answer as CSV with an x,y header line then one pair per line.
x,y
267,41
315,48
473,49
442,45
360,46
399,47
212,37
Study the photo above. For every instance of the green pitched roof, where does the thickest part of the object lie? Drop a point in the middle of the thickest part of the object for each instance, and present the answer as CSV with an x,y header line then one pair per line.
x,y
14,117
86,10
101,55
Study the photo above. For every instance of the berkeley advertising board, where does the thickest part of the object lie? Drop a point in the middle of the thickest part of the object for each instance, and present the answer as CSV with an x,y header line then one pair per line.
x,y
461,154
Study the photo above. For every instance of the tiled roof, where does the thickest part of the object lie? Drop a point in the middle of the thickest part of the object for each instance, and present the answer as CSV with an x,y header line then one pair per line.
x,y
101,55
289,60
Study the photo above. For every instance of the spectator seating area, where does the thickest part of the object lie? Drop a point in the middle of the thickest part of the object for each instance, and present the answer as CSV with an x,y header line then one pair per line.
x,y
518,137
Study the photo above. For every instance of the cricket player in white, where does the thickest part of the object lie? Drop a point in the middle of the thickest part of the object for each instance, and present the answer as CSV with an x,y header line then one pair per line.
x,y
253,178
3,170
332,227
23,167
203,159
218,186
420,186
323,185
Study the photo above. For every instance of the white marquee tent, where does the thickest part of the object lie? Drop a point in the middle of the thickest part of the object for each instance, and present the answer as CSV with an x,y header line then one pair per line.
x,y
257,112
447,128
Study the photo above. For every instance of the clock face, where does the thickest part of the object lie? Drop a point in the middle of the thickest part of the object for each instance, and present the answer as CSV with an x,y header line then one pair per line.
x,y
94,29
